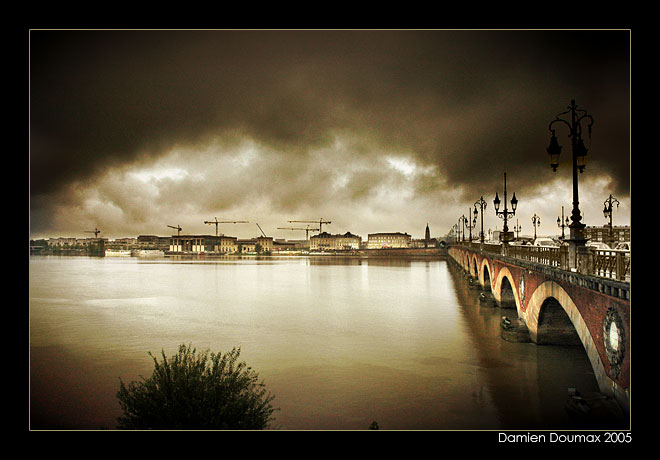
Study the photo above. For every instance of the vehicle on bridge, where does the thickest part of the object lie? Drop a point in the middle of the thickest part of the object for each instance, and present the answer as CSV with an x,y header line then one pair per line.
x,y
623,246
546,242
599,245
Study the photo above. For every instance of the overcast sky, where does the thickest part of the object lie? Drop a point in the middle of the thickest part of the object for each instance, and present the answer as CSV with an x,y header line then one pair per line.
x,y
374,131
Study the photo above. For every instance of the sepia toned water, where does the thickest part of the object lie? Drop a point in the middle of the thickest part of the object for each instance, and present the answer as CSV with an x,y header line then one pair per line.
x,y
340,342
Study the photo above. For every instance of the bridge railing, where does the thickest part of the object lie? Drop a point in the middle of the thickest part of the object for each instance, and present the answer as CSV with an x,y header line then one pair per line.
x,y
599,274
540,254
613,264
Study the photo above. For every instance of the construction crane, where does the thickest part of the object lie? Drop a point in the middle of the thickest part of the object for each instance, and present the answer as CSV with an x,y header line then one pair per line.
x,y
216,222
262,232
320,222
177,228
96,232
307,230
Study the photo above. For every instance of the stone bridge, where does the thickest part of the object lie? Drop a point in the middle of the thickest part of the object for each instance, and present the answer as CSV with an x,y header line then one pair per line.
x,y
558,306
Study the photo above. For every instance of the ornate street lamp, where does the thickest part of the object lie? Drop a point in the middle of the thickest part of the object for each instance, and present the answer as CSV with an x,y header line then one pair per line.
x,y
470,224
607,211
517,229
536,220
461,225
482,205
579,161
562,223
505,214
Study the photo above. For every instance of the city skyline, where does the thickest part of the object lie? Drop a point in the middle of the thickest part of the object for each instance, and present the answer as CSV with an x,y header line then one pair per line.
x,y
374,131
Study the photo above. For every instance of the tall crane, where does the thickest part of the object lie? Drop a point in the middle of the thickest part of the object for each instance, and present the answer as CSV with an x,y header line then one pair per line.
x,y
216,222
96,232
307,230
177,228
321,222
262,232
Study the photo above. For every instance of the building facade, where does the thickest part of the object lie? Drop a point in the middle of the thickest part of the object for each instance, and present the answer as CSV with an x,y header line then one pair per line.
x,y
388,240
259,245
619,233
327,242
62,242
154,242
70,243
200,244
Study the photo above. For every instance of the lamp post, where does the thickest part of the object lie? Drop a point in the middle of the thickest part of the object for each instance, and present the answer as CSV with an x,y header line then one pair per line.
x,y
579,151
505,214
482,205
517,229
607,211
461,226
562,223
471,223
536,220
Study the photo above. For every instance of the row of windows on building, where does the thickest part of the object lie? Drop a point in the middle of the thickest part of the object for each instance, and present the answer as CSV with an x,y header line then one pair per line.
x,y
619,233
347,241
73,242
219,244
322,242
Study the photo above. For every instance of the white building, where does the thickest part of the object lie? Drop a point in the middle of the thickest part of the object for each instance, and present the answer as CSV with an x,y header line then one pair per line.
x,y
327,242
388,240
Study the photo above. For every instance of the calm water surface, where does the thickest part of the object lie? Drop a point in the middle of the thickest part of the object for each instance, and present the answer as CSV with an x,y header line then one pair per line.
x,y
340,342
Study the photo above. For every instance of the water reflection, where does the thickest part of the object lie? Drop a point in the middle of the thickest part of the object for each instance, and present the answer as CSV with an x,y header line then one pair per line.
x,y
341,342
528,383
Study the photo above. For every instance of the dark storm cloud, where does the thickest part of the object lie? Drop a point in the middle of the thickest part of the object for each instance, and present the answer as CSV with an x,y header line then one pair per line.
x,y
472,103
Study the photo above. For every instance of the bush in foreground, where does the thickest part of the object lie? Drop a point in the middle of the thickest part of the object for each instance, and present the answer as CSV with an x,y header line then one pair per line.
x,y
205,391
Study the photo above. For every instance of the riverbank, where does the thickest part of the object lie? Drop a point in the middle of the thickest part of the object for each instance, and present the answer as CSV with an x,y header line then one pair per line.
x,y
393,252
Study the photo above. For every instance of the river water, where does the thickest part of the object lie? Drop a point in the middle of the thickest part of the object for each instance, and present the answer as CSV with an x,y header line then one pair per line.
x,y
340,342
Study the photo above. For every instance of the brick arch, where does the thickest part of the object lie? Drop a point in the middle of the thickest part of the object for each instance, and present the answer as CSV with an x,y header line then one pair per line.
x,y
497,288
550,289
475,266
485,265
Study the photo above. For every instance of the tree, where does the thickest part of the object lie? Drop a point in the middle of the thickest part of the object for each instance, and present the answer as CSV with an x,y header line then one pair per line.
x,y
196,391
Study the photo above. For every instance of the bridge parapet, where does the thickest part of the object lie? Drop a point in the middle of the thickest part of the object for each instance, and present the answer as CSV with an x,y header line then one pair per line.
x,y
608,286
613,264
550,262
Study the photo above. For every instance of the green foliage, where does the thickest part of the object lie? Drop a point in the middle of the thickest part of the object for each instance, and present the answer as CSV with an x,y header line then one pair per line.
x,y
197,391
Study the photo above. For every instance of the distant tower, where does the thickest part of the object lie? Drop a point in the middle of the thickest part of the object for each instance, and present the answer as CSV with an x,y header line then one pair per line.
x,y
427,236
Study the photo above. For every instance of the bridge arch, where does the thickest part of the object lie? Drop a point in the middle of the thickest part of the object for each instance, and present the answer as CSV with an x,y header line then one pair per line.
x,y
485,275
504,290
474,266
550,292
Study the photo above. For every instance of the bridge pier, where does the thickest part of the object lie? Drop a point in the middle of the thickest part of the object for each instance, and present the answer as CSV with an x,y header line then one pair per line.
x,y
486,299
558,301
514,330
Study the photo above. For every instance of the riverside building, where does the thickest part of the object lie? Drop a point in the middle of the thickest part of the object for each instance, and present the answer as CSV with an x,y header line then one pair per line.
x,y
258,244
327,242
619,233
388,240
199,244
